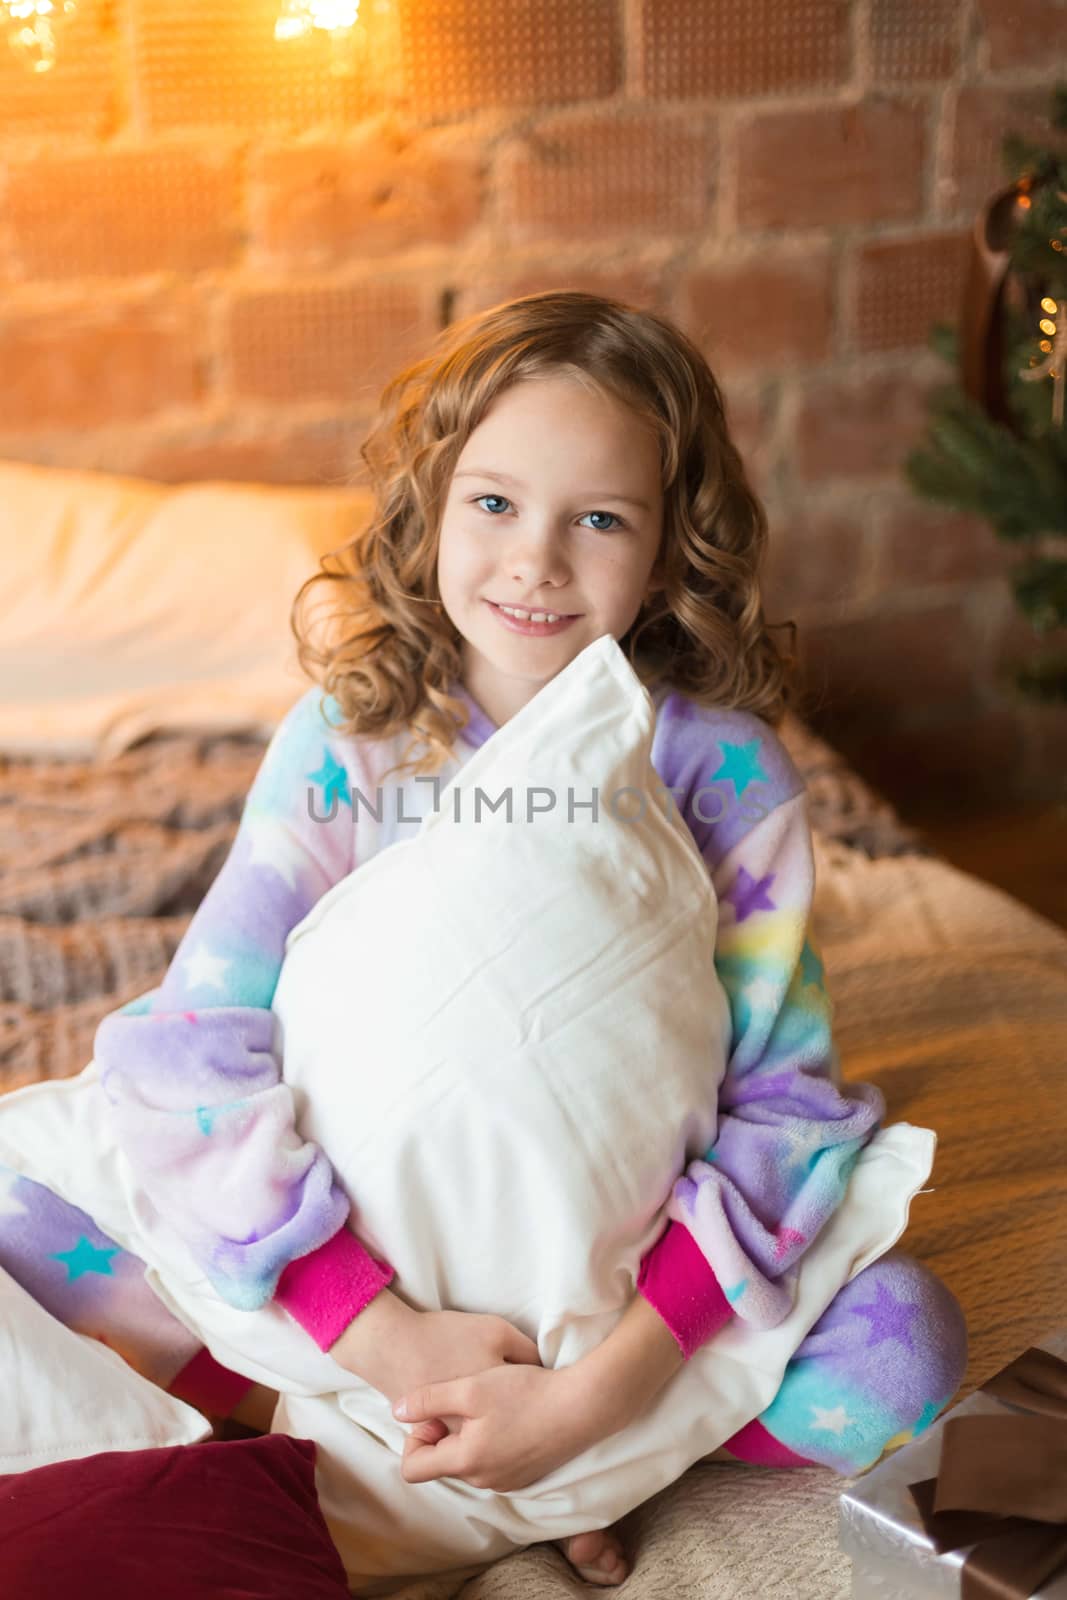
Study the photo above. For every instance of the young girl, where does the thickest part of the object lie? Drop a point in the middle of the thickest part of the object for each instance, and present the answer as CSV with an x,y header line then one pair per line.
x,y
556,468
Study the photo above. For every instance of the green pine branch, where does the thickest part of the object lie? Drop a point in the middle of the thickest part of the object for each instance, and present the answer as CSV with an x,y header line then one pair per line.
x,y
1015,478
1040,586
1019,485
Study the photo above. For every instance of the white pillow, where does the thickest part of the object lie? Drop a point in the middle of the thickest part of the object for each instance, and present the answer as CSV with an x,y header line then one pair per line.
x,y
129,607
66,1395
515,1028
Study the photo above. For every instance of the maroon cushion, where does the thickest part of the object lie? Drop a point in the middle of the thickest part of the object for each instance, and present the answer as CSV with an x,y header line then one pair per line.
x,y
237,1518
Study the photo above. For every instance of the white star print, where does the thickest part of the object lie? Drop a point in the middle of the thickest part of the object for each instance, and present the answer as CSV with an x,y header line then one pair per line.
x,y
273,846
204,968
9,1206
763,991
835,1421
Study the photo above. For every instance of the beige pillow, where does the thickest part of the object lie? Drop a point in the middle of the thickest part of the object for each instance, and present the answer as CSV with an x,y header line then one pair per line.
x,y
128,607
68,1396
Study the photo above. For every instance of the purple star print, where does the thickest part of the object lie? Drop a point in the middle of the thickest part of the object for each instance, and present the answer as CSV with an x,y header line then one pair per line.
x,y
687,1193
750,894
890,1318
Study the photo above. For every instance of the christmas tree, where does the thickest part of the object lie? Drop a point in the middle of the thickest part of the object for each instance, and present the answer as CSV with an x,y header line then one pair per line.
x,y
996,442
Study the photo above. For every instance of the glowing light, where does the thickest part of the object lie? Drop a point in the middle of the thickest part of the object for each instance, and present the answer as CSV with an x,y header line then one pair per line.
x,y
1054,351
30,26
1024,201
299,17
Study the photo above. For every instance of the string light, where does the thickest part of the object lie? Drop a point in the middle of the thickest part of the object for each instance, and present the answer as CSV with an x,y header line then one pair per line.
x,y
32,28
299,17
1054,349
338,19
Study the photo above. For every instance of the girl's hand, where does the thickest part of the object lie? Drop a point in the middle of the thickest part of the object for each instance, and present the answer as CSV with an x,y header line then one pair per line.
x,y
396,1349
513,1425
445,1345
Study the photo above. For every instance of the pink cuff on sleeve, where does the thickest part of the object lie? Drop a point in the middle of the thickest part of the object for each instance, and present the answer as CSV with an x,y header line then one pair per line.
x,y
677,1281
206,1384
326,1289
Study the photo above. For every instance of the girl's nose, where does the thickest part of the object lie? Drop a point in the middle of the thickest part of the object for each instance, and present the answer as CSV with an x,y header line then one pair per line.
x,y
537,558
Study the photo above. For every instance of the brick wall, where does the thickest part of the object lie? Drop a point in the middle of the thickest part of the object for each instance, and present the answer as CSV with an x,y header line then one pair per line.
x,y
215,247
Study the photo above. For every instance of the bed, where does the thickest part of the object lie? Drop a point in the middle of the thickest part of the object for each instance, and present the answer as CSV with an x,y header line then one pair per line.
x,y
115,817
948,994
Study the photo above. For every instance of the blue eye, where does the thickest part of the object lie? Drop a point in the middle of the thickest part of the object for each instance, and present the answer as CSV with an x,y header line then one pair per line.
x,y
505,501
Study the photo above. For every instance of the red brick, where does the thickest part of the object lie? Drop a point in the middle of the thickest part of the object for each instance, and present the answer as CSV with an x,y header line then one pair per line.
x,y
856,425
921,543
769,312
460,55
750,419
586,173
831,164
739,47
200,66
83,368
117,212
78,98
381,191
340,342
870,668
818,554
1023,33
320,453
903,286
633,285
916,42
984,114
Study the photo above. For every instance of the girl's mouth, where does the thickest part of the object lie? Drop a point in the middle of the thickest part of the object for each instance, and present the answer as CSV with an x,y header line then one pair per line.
x,y
535,629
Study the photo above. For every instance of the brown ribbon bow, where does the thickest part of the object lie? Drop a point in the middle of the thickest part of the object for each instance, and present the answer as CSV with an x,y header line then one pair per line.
x,y
1002,1484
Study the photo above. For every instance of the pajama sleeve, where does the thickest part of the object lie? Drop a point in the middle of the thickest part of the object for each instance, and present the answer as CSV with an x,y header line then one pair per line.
x,y
789,1133
191,1069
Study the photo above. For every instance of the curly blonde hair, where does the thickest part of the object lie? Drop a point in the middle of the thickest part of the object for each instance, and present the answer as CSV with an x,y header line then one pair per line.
x,y
389,653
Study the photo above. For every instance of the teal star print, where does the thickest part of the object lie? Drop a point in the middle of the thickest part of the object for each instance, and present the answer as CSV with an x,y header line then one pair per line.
x,y
926,1416
741,765
205,1118
205,1115
810,965
334,780
85,1257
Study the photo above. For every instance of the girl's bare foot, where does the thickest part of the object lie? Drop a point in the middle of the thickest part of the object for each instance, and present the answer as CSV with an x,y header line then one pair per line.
x,y
596,1556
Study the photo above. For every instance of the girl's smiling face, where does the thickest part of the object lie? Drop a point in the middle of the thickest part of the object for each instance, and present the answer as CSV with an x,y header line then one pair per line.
x,y
555,505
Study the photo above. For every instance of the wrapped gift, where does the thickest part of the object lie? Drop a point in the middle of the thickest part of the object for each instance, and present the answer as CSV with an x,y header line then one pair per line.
x,y
975,1508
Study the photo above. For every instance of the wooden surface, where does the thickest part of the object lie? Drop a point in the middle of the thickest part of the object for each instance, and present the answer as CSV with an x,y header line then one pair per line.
x,y
951,996
1024,852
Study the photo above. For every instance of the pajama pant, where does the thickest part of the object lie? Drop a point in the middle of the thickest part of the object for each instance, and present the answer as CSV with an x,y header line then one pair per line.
x,y
885,1357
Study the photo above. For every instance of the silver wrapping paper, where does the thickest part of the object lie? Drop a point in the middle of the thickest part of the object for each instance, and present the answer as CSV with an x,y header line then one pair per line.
x,y
879,1527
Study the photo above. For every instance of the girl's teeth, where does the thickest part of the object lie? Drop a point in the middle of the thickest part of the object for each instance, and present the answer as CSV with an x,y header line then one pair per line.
x,y
532,616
